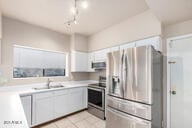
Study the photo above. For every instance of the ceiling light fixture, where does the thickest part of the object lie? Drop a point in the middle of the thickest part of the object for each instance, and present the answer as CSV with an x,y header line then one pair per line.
x,y
75,11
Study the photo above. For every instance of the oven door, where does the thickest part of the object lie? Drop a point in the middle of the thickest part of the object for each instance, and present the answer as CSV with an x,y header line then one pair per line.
x,y
96,97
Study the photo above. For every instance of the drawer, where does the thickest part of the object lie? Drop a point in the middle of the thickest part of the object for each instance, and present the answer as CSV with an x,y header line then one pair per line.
x,y
137,109
133,108
43,95
113,102
119,119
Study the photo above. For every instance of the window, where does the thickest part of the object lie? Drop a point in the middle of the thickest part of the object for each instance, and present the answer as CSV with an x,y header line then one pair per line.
x,y
30,62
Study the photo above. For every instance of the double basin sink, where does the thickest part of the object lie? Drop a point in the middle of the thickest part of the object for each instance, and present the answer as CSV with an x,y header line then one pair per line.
x,y
50,87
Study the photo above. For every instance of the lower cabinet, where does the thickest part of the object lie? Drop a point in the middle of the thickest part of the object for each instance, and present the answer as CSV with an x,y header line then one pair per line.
x,y
26,101
61,103
42,107
51,105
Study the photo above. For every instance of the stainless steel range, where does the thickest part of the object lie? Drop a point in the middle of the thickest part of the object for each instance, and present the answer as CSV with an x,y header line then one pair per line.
x,y
96,98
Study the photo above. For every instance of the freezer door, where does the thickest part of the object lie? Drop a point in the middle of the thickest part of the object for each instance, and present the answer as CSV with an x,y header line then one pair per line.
x,y
114,79
117,119
133,108
140,89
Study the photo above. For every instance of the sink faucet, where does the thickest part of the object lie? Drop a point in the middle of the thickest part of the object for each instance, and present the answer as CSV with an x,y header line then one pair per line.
x,y
48,82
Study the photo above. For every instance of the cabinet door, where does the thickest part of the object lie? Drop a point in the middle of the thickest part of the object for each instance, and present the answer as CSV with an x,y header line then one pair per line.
x,y
154,41
61,103
90,61
101,55
79,61
113,49
76,101
128,45
26,101
43,107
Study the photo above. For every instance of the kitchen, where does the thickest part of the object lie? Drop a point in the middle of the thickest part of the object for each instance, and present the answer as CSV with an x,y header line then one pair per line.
x,y
91,60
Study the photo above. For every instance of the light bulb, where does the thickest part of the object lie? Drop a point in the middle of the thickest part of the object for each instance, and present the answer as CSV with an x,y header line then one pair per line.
x,y
84,4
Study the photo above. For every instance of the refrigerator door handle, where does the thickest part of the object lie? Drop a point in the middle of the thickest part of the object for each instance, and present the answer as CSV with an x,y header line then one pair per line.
x,y
121,73
125,71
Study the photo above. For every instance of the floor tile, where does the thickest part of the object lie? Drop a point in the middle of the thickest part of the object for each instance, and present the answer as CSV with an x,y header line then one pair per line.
x,y
78,120
84,114
74,118
64,123
100,124
92,119
52,125
83,124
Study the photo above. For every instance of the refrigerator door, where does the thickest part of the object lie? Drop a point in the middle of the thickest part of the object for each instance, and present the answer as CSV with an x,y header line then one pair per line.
x,y
117,119
140,89
127,74
114,62
133,108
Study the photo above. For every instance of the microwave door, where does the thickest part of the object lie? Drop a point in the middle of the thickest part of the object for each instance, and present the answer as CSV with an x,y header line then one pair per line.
x,y
142,74
114,74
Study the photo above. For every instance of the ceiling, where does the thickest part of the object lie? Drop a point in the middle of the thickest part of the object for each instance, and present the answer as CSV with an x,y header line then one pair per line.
x,y
99,15
52,14
171,11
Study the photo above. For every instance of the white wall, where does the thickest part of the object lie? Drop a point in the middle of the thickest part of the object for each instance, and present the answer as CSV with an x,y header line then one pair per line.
x,y
138,27
79,42
19,33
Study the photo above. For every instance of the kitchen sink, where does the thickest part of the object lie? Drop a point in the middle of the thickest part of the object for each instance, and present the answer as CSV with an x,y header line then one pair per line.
x,y
51,87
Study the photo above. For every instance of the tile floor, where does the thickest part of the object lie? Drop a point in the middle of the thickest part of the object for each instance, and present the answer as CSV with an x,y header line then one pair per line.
x,y
79,120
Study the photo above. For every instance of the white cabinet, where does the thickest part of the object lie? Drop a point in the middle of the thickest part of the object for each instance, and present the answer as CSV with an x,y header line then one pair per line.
x,y
154,41
61,103
76,100
51,105
42,107
128,45
26,101
79,61
101,55
115,48
91,59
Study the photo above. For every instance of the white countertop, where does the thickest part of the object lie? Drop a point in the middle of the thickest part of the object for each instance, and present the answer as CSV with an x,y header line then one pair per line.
x,y
11,110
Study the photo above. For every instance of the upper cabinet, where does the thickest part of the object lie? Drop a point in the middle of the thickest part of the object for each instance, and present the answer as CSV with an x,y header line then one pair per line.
x,y
115,48
79,61
91,58
154,41
128,45
83,61
101,55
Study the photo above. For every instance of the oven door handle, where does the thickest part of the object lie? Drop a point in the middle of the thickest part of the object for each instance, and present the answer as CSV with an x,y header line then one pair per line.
x,y
96,89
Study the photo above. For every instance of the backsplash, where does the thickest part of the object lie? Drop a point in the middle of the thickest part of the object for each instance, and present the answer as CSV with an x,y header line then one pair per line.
x,y
95,75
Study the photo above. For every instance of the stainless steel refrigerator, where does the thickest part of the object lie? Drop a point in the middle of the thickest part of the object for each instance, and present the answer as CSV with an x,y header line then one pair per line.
x,y
134,81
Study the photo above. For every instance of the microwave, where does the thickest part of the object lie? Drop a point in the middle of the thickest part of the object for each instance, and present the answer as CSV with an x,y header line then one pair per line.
x,y
99,65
